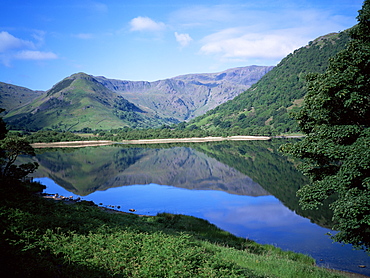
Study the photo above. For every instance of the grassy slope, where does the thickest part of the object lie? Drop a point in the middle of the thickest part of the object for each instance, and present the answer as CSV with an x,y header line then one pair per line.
x,y
43,238
12,96
72,104
266,105
79,102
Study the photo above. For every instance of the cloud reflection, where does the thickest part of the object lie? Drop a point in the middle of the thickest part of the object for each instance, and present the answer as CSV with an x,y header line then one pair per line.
x,y
256,213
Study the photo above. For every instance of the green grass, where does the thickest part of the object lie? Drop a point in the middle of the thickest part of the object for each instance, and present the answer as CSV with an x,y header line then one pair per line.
x,y
43,238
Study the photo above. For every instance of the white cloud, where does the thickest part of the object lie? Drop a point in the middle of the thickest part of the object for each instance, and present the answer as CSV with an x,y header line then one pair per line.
x,y
183,39
13,48
248,31
236,43
35,55
146,24
84,36
9,42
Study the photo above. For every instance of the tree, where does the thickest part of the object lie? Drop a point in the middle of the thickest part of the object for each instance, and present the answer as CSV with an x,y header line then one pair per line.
x,y
335,152
3,130
11,146
15,146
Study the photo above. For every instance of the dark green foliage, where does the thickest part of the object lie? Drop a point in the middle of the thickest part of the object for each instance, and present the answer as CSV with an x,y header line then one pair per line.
x,y
14,146
44,136
3,129
127,111
54,103
86,130
22,122
336,149
269,101
11,147
60,86
122,104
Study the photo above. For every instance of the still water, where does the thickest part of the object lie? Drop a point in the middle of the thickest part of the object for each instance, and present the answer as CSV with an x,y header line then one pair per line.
x,y
246,188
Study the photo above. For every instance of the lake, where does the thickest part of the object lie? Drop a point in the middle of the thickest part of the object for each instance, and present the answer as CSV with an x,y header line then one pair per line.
x,y
247,188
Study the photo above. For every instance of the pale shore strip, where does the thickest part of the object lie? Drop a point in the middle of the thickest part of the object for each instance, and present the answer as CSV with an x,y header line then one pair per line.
x,y
72,144
75,144
195,140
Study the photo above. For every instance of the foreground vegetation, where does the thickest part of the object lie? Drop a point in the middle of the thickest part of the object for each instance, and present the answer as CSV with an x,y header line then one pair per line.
x,y
335,151
44,238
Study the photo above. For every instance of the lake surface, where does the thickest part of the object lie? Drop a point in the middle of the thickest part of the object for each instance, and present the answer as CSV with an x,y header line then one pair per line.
x,y
246,188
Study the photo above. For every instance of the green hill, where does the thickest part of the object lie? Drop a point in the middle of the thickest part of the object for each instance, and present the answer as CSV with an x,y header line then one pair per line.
x,y
264,108
12,96
79,102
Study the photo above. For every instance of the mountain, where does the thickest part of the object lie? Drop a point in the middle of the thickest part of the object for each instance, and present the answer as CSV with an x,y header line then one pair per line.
x,y
187,96
14,96
83,101
79,102
264,108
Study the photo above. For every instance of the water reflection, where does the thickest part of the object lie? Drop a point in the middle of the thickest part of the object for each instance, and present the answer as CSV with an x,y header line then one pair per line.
x,y
232,182
87,170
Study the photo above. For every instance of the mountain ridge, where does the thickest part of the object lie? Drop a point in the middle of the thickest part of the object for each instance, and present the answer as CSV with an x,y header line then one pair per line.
x,y
75,103
185,97
136,104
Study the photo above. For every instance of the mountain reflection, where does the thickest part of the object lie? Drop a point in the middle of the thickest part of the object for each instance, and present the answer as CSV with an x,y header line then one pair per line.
x,y
85,170
251,168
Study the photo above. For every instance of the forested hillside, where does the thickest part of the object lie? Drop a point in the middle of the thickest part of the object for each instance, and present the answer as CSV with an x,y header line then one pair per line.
x,y
264,108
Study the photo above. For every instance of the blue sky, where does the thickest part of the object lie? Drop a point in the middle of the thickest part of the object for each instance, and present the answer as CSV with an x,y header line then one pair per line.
x,y
42,42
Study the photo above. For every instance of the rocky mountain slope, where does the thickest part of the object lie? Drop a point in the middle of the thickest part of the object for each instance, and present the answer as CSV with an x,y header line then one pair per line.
x,y
83,101
185,97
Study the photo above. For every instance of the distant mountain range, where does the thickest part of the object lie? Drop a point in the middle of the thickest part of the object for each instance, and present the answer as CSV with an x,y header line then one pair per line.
x,y
83,101
254,100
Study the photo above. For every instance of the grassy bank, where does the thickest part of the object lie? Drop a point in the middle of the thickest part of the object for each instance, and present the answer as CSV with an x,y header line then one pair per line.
x,y
44,238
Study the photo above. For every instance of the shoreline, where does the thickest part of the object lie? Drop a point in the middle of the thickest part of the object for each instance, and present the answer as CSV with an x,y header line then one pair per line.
x,y
72,144
68,201
76,144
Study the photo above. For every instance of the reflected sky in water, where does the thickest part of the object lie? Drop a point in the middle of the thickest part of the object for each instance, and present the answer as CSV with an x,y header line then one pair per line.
x,y
263,219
